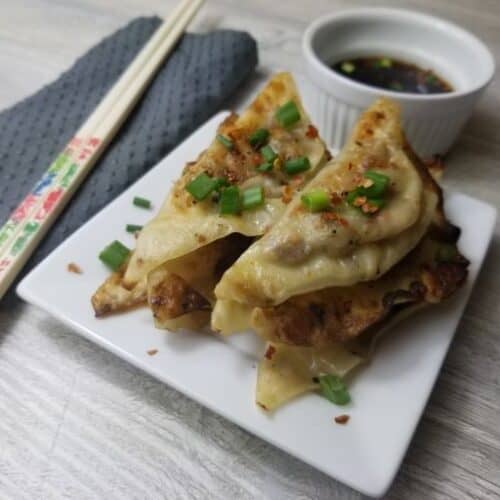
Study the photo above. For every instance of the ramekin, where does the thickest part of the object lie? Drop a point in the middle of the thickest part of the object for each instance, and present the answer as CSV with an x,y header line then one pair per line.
x,y
432,122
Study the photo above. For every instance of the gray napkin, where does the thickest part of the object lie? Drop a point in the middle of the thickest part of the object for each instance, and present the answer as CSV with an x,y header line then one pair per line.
x,y
193,84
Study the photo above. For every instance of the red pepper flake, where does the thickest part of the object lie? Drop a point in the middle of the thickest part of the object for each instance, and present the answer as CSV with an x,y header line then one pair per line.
x,y
152,352
368,208
231,175
297,181
342,221
336,199
359,201
332,216
270,352
342,419
312,132
257,159
329,216
358,178
74,268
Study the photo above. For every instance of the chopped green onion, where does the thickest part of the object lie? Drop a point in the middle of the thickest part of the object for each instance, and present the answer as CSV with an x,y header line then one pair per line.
x,y
114,255
259,137
200,187
267,166
252,197
334,389
225,141
142,202
268,153
373,193
133,228
220,182
316,201
288,114
380,184
230,201
347,67
297,165
385,62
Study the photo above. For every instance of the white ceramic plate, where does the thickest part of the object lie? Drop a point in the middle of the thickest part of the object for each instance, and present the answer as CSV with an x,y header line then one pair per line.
x,y
388,395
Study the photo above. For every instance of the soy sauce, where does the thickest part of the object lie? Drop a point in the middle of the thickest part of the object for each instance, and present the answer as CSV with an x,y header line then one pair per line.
x,y
392,74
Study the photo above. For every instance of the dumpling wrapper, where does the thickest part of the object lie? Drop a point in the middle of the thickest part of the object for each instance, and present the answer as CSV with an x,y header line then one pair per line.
x,y
307,251
184,225
286,372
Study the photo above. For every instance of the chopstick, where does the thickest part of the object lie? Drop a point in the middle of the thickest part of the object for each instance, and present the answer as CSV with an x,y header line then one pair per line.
x,y
34,216
84,140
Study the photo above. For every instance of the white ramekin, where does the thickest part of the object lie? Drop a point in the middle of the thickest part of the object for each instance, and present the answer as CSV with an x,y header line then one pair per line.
x,y
432,122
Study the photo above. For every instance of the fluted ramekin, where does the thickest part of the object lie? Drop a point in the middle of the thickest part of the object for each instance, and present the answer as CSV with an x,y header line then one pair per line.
x,y
432,122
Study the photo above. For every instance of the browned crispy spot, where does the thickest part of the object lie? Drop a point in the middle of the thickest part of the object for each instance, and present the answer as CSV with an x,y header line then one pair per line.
x,y
113,296
173,297
442,280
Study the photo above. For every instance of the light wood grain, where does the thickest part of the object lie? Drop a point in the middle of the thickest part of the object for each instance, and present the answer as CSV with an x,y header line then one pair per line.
x,y
77,422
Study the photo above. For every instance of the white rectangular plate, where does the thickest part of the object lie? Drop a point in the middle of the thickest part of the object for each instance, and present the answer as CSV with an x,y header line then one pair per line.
x,y
388,395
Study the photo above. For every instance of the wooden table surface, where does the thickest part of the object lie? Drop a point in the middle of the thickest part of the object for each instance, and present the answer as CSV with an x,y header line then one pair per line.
x,y
77,422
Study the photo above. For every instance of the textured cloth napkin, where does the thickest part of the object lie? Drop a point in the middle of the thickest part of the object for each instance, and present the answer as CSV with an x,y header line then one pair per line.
x,y
193,84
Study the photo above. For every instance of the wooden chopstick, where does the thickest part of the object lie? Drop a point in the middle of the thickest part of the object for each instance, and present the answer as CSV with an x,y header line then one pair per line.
x,y
35,215
84,140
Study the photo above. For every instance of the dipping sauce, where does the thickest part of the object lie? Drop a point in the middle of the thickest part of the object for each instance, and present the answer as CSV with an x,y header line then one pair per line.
x,y
392,74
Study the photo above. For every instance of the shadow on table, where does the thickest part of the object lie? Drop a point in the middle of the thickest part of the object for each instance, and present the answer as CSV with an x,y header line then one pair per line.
x,y
11,310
